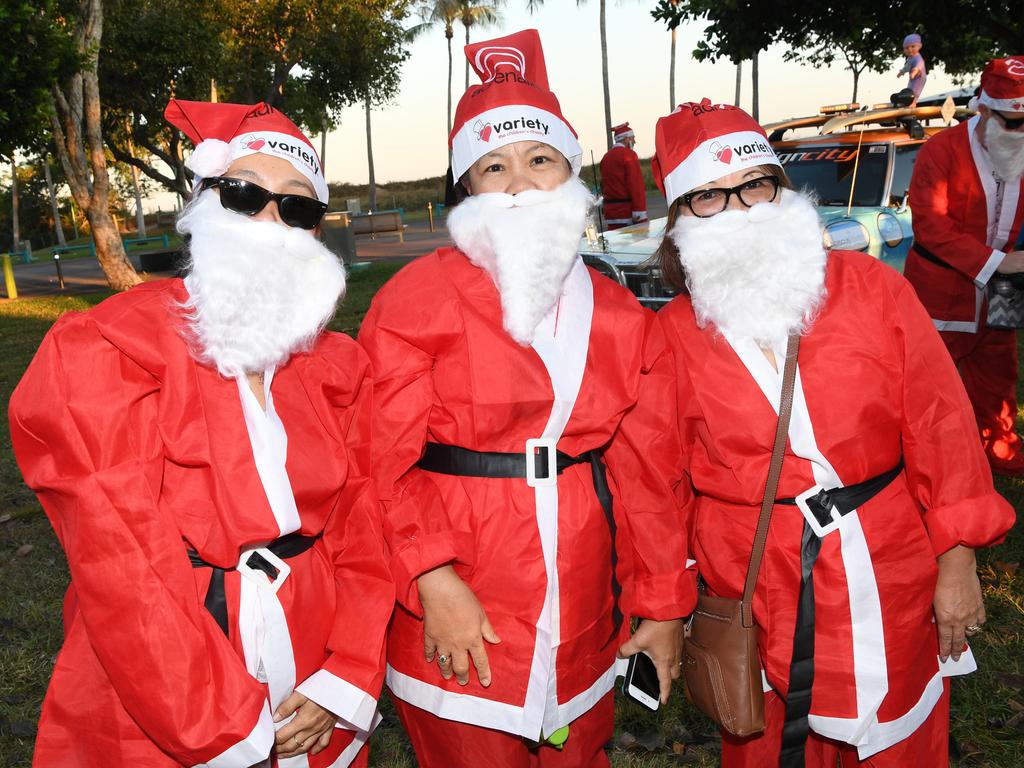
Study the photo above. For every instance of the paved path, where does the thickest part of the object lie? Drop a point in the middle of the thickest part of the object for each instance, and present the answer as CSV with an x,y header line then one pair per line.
x,y
83,275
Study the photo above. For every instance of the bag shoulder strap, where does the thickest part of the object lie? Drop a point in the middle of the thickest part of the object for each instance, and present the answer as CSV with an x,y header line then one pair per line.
x,y
772,485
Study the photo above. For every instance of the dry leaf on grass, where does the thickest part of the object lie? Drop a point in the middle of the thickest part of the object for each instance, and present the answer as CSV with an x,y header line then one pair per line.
x,y
24,549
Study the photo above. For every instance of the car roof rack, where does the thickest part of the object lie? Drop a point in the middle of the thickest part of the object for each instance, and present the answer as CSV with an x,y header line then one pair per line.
x,y
778,129
907,117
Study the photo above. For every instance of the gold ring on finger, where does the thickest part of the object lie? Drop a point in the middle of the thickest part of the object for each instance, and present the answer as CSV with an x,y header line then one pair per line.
x,y
973,629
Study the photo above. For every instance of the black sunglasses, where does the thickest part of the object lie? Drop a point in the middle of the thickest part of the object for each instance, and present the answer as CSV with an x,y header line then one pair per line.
x,y
245,197
1011,123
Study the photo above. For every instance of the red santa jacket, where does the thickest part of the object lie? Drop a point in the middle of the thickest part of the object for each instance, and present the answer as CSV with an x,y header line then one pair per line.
x,y
873,383
622,185
538,558
137,453
965,220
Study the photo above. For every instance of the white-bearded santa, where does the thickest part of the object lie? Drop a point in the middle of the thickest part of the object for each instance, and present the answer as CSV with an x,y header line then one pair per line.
x,y
967,193
875,397
479,348
161,470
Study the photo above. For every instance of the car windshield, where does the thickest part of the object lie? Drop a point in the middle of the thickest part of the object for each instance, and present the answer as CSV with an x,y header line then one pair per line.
x,y
827,171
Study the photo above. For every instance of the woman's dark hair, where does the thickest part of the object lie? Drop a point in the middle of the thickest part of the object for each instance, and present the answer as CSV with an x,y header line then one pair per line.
x,y
666,257
455,191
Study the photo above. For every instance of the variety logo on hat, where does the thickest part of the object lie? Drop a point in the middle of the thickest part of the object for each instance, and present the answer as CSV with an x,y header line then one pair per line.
x,y
722,154
251,142
483,130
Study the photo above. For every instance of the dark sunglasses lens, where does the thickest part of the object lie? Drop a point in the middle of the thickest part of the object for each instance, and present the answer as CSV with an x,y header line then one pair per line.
x,y
300,211
242,197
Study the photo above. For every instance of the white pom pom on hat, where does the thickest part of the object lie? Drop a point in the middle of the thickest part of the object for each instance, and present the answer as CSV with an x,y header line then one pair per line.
x,y
211,157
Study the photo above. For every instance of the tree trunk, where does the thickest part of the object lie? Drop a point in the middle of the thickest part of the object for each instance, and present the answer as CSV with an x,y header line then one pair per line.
x,y
672,73
78,136
604,75
369,160
15,224
140,215
755,111
856,81
739,82
58,226
323,147
467,59
449,34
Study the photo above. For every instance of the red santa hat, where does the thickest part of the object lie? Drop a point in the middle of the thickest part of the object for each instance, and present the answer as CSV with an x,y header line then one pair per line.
x,y
222,133
622,131
511,104
1002,85
702,142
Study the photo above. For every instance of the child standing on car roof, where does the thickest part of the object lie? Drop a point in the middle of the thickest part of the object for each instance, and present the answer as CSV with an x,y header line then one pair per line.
x,y
914,65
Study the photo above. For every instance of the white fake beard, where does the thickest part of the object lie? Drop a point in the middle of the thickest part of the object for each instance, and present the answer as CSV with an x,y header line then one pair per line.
x,y
1005,148
528,243
757,274
259,291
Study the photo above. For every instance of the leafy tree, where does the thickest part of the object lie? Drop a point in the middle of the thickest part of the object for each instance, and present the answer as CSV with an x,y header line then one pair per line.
x,y
858,38
477,13
310,58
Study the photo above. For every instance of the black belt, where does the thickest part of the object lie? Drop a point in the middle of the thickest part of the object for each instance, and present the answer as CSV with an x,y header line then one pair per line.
x,y
462,462
292,545
927,255
801,668
616,202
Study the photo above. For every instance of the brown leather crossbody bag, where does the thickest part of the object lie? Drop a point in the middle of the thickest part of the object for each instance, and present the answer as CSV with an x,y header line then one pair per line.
x,y
721,666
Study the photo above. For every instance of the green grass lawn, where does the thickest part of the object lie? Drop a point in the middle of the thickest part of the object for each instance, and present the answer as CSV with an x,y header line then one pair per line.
x,y
987,719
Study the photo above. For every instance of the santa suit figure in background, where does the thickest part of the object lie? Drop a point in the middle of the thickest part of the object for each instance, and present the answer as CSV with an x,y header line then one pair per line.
x,y
202,449
622,181
967,193
503,368
868,587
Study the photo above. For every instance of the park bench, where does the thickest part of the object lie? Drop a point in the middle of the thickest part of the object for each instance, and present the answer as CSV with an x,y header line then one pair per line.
x,y
378,223
61,249
162,239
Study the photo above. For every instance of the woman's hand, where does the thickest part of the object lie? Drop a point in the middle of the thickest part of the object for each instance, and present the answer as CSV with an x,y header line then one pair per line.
x,y
309,731
958,602
663,642
454,626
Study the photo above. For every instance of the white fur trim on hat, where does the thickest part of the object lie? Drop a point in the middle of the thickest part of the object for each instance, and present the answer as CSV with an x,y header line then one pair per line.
x,y
1002,105
716,158
507,125
211,157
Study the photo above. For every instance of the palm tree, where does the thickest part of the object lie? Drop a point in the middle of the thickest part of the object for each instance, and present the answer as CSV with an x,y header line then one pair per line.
x,y
444,13
478,13
669,12
532,5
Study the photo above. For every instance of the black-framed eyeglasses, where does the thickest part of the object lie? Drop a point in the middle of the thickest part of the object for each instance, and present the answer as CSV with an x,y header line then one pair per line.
x,y
1011,123
708,202
244,197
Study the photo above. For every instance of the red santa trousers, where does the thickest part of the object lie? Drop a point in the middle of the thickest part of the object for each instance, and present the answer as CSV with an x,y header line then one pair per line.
x,y
441,743
927,747
987,361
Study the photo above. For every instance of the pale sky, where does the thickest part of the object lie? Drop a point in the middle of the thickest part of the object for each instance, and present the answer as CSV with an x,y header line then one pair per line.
x,y
409,139
409,134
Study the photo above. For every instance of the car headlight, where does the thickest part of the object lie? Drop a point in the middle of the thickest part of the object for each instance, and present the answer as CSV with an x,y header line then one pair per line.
x,y
890,229
847,235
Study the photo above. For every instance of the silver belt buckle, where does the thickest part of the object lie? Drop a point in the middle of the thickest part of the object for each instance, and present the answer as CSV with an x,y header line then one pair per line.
x,y
820,530
259,577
